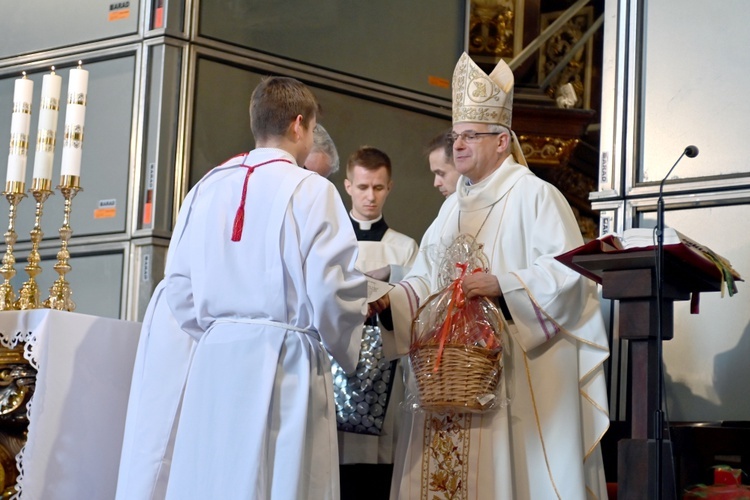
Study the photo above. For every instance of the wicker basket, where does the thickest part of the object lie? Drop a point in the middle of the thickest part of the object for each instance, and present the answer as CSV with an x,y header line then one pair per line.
x,y
465,381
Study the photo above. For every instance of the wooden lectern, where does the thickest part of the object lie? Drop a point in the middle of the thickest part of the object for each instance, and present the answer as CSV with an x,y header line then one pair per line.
x,y
630,277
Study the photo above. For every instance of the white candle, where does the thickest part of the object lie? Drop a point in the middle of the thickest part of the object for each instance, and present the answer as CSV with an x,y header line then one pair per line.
x,y
75,113
78,83
19,130
45,140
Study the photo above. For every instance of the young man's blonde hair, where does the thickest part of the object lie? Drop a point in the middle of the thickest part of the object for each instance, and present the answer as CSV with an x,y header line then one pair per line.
x,y
275,104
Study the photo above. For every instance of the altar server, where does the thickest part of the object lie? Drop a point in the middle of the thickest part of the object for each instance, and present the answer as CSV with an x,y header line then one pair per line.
x,y
261,274
160,370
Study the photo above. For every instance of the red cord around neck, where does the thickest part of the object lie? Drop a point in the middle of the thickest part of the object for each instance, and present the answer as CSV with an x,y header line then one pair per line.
x,y
239,217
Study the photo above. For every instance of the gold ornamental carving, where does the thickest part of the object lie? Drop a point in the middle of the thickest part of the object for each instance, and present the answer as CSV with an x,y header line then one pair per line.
x,y
491,28
578,71
542,150
17,383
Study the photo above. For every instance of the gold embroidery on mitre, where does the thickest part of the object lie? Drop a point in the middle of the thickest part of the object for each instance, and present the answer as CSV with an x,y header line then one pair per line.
x,y
480,89
480,98
445,465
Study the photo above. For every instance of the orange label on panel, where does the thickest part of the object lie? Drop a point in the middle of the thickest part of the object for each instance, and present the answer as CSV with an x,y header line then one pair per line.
x,y
438,82
107,209
159,18
105,213
119,11
119,15
147,207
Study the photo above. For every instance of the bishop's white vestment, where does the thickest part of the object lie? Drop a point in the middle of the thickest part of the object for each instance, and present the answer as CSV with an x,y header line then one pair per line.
x,y
545,443
258,418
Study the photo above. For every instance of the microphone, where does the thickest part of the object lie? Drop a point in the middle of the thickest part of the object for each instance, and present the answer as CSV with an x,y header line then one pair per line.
x,y
691,151
658,417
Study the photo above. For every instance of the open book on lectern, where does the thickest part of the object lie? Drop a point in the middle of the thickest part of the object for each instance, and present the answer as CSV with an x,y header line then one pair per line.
x,y
676,245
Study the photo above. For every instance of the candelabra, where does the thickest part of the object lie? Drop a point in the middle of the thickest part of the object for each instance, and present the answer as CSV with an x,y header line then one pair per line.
x,y
29,293
60,292
14,193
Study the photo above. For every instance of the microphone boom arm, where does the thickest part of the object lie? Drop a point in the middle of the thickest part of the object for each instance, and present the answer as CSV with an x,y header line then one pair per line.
x,y
658,423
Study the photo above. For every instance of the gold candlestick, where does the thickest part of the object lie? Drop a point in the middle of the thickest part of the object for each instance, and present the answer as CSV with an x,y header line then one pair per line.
x,y
29,293
59,292
14,193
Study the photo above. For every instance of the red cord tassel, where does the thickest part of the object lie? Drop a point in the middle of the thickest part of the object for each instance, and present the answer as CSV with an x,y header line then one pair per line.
x,y
239,217
239,222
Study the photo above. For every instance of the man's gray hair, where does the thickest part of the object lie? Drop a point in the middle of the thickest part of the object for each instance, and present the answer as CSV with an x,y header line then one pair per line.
x,y
499,129
322,142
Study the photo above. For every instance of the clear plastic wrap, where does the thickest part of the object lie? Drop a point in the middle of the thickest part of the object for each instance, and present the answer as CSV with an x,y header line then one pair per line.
x,y
457,343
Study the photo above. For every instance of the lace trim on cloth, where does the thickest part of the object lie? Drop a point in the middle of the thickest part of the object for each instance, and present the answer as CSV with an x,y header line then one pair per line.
x,y
445,465
11,341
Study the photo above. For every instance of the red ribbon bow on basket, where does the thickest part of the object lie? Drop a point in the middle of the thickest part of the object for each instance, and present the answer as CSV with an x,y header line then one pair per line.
x,y
458,300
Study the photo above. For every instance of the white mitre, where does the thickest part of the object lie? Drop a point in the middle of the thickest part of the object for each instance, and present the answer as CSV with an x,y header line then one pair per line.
x,y
478,98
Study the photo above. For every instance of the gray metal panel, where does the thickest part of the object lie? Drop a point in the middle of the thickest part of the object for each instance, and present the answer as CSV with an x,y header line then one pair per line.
x,y
106,149
695,89
387,41
708,353
613,98
35,25
221,130
175,16
148,257
167,17
160,132
96,278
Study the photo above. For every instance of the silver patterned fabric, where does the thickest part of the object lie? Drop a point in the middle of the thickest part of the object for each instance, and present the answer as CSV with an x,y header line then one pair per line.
x,y
362,398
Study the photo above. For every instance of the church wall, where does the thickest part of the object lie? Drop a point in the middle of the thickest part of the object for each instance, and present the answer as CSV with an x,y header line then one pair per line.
x,y
220,129
673,77
169,85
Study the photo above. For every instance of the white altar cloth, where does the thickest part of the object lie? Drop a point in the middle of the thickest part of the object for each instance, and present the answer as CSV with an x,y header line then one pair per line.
x,y
77,413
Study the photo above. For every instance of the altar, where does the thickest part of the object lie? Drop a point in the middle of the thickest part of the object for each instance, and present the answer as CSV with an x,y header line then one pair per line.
x,y
77,413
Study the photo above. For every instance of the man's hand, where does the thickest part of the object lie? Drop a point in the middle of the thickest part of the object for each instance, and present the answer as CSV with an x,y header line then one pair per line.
x,y
379,305
382,273
481,285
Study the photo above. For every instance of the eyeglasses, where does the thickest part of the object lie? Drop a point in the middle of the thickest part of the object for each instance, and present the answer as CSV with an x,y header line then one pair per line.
x,y
470,136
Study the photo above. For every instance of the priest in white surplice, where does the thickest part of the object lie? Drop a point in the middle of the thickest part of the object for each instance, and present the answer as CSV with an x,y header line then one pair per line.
x,y
367,460
160,371
545,443
261,274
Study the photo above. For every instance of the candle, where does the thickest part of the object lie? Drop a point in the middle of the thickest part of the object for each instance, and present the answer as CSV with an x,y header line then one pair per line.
x,y
75,113
19,130
78,85
45,140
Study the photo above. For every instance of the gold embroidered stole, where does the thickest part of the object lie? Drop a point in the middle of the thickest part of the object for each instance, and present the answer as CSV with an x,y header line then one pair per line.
x,y
445,464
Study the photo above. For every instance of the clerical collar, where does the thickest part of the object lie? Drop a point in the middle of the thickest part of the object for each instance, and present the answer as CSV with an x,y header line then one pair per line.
x,y
369,230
